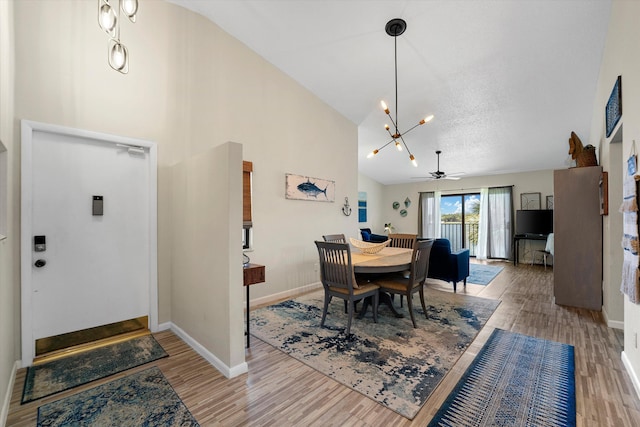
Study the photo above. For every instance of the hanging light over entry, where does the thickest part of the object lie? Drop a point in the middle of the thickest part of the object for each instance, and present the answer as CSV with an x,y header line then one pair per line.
x,y
395,28
108,19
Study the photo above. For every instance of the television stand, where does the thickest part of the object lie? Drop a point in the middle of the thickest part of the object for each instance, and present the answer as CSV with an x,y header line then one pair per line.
x,y
526,236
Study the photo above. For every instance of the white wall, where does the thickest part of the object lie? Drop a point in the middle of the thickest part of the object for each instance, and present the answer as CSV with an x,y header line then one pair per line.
x,y
622,40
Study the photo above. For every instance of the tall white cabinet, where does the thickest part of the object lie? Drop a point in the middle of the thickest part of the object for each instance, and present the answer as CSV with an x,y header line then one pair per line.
x,y
577,227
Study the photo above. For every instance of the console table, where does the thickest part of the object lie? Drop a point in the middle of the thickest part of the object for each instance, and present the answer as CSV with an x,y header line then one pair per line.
x,y
516,243
253,273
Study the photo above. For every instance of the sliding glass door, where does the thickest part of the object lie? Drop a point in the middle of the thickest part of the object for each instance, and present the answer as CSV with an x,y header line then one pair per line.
x,y
459,218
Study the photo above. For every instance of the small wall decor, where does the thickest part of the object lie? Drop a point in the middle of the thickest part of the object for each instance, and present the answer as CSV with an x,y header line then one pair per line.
x,y
550,202
396,205
362,206
613,111
529,201
346,209
407,202
298,187
403,212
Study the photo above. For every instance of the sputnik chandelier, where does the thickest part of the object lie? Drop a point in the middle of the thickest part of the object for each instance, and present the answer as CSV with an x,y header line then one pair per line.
x,y
108,19
394,28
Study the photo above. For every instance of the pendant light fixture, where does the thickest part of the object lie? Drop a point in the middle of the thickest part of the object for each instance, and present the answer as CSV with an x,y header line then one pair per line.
x,y
108,19
394,28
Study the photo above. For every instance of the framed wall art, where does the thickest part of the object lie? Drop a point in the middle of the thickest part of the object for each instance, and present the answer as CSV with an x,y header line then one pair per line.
x,y
529,201
613,110
550,202
298,187
362,206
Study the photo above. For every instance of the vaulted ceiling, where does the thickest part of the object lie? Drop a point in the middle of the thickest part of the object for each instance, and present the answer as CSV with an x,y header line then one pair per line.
x,y
507,80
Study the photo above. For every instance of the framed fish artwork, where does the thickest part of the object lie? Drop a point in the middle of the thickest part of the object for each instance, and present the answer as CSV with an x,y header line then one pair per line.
x,y
298,187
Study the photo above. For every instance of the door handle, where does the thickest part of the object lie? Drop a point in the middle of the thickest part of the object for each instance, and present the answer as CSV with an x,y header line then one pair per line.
x,y
40,263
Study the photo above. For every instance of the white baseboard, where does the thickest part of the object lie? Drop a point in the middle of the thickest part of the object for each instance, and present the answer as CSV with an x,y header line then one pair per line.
x,y
615,324
164,326
229,372
286,294
631,372
4,413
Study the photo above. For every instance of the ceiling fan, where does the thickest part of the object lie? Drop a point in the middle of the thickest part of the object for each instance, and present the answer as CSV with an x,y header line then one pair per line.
x,y
438,174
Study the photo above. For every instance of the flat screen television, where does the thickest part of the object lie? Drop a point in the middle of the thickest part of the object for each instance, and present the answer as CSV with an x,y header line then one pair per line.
x,y
534,222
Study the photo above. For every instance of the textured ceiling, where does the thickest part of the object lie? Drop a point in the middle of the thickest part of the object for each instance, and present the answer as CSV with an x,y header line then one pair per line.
x,y
506,80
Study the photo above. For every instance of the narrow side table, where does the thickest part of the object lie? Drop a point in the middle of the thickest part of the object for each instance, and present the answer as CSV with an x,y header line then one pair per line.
x,y
253,273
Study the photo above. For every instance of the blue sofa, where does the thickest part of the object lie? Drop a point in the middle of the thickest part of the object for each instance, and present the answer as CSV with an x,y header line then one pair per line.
x,y
368,236
446,265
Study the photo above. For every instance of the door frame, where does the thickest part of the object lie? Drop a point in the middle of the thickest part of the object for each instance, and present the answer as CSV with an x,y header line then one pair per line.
x,y
28,127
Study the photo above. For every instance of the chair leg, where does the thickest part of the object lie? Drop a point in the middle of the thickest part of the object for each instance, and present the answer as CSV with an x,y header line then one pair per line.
x,y
410,305
327,300
376,300
454,286
424,307
351,310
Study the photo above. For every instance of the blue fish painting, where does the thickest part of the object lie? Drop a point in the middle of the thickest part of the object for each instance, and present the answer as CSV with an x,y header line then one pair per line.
x,y
300,187
311,189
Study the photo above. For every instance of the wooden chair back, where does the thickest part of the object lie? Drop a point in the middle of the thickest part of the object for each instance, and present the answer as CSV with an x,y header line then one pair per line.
x,y
406,241
336,238
336,270
420,262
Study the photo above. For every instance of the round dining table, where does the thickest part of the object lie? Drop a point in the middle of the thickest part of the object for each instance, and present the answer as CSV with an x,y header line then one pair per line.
x,y
388,260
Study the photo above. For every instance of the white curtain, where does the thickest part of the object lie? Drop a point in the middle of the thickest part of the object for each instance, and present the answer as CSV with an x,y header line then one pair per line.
x,y
496,223
483,225
429,214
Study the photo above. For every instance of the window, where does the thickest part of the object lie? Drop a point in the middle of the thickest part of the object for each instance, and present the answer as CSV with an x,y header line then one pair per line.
x,y
247,224
459,218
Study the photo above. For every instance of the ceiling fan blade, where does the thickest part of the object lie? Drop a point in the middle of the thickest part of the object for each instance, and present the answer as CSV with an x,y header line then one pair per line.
x,y
453,178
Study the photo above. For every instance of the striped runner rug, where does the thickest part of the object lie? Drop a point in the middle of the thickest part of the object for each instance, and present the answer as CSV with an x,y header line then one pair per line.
x,y
515,380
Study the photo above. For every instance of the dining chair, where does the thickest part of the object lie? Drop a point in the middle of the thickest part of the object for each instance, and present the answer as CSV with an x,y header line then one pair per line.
x,y
338,280
398,284
336,238
402,240
406,241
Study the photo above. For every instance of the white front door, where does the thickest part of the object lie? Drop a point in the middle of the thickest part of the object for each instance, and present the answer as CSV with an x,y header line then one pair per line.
x,y
90,199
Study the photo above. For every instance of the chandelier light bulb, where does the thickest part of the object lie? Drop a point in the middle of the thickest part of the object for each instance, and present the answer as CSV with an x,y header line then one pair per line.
x,y
130,8
384,107
413,161
426,119
398,146
371,154
107,18
118,57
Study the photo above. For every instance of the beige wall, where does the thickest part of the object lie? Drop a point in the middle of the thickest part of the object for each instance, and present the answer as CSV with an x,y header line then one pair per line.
x,y
618,59
9,247
207,288
525,182
190,89
374,192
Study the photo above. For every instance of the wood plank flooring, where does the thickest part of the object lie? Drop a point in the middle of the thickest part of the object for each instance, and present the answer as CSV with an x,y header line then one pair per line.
x,y
281,391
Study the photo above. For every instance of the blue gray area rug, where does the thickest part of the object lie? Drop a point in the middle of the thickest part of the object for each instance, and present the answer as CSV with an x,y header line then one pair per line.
x,y
71,371
142,399
390,362
481,274
515,380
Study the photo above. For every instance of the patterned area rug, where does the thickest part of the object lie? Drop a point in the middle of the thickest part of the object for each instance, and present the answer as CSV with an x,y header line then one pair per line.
x,y
63,374
390,362
142,399
481,274
515,380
